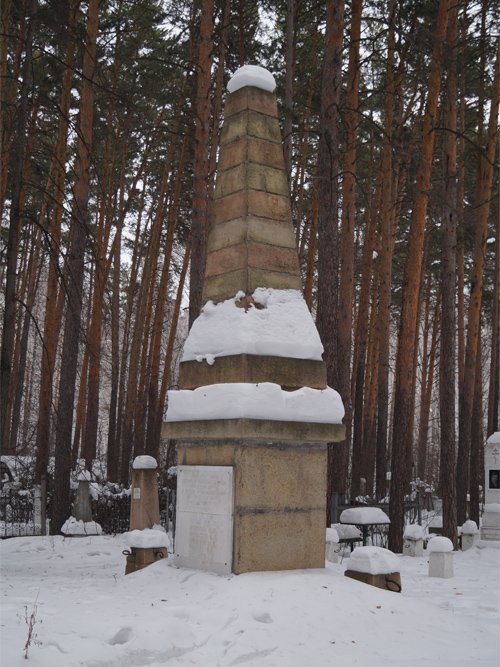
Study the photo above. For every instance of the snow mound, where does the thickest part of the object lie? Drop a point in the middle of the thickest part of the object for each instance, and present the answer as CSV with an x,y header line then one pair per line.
x,y
363,516
252,75
373,560
84,476
281,326
266,400
494,438
144,462
72,527
414,532
492,507
439,544
332,535
470,528
149,538
346,532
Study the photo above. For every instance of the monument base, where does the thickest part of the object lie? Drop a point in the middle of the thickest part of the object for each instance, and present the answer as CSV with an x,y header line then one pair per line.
x,y
388,582
279,509
140,558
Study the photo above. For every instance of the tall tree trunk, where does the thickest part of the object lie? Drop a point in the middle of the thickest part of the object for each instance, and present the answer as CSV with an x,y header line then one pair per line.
x,y
477,446
69,358
423,428
200,222
410,295
448,320
361,338
289,72
52,320
14,229
328,223
385,270
347,260
494,388
483,189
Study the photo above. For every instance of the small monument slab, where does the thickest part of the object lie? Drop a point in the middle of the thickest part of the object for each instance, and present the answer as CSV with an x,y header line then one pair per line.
x,y
205,507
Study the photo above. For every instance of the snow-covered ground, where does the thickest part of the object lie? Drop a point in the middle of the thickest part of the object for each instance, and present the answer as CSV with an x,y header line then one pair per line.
x,y
89,613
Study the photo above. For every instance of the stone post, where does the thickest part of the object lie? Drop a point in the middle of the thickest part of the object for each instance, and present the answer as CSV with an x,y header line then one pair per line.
x,y
144,501
146,545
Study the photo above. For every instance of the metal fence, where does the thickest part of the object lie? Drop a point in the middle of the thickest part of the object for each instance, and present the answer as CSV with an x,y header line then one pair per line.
x,y
111,511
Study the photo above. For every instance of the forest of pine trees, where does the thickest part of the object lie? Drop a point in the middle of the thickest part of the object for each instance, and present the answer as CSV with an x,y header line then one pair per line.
x,y
110,119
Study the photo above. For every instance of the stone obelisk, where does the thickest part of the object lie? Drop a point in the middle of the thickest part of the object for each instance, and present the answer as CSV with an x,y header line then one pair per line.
x,y
252,477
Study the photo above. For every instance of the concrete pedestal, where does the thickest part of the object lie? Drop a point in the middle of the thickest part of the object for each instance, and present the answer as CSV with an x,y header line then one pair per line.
x,y
388,582
468,542
144,502
276,527
332,552
140,558
441,564
414,548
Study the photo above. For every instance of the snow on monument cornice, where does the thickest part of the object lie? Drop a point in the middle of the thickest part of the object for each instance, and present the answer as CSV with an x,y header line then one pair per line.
x,y
252,75
266,400
281,326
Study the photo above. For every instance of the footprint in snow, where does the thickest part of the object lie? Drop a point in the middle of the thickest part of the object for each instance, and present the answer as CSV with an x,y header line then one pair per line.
x,y
263,618
122,636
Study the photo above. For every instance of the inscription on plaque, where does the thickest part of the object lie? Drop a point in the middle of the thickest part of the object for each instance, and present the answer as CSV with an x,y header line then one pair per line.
x,y
137,493
204,537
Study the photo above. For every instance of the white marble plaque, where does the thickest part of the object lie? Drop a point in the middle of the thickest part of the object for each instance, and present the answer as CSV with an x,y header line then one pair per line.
x,y
137,493
204,530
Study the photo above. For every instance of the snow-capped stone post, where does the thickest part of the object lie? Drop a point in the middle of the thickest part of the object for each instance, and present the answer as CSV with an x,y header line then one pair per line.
x,y
144,501
80,523
490,529
440,557
254,415
82,509
147,540
375,566
413,544
332,545
470,534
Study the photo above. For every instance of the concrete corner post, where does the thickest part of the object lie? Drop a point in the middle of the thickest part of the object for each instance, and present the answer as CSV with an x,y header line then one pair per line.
x,y
144,501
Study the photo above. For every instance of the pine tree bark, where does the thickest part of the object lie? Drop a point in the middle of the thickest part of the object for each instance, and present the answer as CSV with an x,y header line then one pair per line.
x,y
328,258
483,189
347,260
69,357
289,76
494,386
477,440
410,294
385,269
14,229
52,320
200,222
448,320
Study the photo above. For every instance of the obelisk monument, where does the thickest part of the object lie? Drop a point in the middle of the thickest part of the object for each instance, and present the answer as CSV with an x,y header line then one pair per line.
x,y
253,415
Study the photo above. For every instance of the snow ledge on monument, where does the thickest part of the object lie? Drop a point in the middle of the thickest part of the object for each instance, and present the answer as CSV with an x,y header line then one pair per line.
x,y
281,326
252,75
266,400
